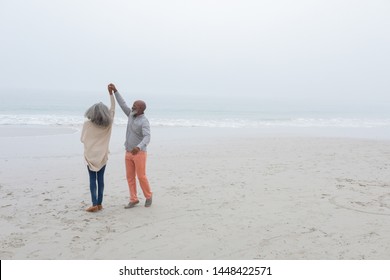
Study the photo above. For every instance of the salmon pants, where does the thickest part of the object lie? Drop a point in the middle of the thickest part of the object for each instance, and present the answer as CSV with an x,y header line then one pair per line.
x,y
136,167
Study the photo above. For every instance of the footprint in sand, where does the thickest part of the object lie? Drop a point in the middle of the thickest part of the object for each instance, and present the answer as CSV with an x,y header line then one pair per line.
x,y
370,197
6,255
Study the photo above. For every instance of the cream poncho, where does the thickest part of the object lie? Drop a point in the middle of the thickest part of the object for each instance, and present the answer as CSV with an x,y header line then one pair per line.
x,y
96,141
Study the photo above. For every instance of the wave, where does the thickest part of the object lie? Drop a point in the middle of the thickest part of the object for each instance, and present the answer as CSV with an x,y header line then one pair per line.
x,y
72,121
57,120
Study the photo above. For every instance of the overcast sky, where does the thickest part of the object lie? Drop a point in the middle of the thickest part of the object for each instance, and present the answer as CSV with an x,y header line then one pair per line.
x,y
333,48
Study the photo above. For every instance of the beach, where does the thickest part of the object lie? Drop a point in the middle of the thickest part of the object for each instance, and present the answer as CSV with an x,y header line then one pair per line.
x,y
218,194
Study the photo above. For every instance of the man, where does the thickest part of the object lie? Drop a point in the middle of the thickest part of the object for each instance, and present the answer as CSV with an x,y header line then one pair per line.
x,y
137,139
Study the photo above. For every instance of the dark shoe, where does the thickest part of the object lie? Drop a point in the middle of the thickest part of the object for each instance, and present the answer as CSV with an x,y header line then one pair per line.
x,y
148,202
92,209
131,204
100,207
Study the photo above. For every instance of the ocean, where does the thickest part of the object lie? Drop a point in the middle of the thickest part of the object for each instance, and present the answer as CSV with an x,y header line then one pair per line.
x,y
66,109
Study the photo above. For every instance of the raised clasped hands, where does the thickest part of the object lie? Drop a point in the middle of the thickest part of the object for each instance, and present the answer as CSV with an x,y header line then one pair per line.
x,y
111,89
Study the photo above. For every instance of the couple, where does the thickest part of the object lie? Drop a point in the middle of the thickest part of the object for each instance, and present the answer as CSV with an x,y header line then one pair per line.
x,y
96,135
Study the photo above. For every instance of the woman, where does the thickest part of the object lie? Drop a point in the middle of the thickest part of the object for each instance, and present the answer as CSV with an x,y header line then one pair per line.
x,y
96,135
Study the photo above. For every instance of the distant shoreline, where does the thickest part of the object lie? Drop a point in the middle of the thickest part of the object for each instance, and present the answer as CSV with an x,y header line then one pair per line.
x,y
370,133
34,130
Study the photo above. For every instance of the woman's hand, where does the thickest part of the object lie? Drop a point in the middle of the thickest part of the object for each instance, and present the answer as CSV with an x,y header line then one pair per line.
x,y
110,90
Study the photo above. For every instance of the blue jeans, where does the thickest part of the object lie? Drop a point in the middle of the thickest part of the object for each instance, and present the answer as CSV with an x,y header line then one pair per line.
x,y
97,196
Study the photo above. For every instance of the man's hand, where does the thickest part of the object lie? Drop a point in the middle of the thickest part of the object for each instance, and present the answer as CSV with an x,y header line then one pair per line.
x,y
135,151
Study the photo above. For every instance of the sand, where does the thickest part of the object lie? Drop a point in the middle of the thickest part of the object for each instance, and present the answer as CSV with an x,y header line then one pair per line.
x,y
218,194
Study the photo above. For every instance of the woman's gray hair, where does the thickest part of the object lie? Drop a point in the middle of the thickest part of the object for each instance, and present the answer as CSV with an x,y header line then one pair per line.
x,y
99,114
